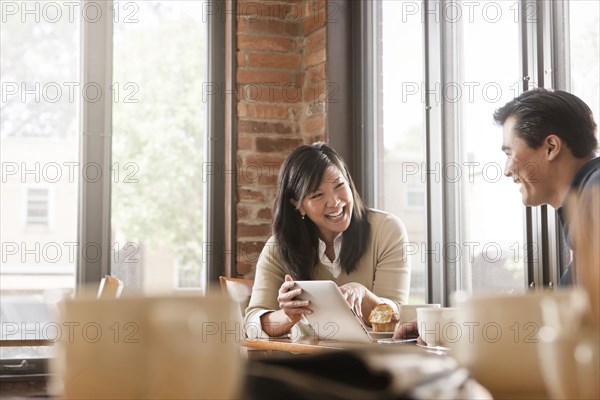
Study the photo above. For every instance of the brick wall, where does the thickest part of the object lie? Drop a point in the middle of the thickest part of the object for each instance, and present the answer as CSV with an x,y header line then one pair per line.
x,y
281,104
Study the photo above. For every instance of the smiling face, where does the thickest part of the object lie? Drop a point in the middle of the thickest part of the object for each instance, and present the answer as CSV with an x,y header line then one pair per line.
x,y
330,206
528,167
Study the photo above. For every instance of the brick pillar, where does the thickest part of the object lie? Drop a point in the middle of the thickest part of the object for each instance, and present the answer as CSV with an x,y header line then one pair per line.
x,y
281,104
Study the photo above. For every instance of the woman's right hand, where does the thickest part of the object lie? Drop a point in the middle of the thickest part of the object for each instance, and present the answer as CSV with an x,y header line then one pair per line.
x,y
293,309
408,330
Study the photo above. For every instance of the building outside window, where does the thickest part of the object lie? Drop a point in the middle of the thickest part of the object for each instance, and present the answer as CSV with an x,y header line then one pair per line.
x,y
143,132
37,207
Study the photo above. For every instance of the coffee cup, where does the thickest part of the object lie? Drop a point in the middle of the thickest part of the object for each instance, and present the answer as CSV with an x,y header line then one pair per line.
x,y
497,342
148,347
569,363
408,312
436,325
567,348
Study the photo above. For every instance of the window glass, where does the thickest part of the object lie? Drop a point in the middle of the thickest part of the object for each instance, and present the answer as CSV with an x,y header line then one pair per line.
x,y
492,231
37,207
584,35
490,252
159,115
402,128
39,119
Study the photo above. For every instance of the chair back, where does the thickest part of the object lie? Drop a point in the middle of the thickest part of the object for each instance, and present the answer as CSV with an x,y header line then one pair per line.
x,y
239,289
110,287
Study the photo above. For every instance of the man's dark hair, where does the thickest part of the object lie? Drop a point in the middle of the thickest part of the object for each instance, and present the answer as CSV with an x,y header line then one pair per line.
x,y
541,112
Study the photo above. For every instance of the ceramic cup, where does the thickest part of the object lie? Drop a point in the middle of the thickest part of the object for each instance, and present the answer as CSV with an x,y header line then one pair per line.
x,y
408,312
569,364
148,347
437,326
567,348
498,340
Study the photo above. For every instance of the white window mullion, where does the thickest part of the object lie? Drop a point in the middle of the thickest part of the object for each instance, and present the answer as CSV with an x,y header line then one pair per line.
x,y
556,27
96,129
545,51
443,147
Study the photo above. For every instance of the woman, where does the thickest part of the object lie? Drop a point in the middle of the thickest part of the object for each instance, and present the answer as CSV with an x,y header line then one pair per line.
x,y
322,230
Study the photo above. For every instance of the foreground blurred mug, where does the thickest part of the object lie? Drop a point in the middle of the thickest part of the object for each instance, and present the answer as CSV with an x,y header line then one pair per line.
x,y
498,341
568,349
570,364
140,348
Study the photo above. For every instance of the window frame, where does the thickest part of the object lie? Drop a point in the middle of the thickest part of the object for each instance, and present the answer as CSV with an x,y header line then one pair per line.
x,y
94,219
544,60
95,133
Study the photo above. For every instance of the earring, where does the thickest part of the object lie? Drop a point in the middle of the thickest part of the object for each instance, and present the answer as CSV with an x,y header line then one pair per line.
x,y
303,216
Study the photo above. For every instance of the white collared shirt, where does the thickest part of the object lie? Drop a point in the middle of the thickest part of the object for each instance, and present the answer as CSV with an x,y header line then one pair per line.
x,y
332,266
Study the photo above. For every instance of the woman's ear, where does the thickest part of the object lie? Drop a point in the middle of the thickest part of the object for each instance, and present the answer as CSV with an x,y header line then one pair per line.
x,y
299,208
553,146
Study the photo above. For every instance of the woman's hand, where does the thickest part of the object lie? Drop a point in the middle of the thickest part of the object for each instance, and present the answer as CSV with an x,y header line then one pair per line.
x,y
280,322
293,309
408,330
361,299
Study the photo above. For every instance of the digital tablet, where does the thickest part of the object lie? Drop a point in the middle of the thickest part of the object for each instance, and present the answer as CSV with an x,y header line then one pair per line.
x,y
332,318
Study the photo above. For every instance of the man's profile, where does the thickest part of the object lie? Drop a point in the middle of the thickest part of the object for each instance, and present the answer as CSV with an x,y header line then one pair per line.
x,y
550,143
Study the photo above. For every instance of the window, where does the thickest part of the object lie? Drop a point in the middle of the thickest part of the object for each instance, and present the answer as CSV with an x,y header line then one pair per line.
x,y
491,228
37,207
159,123
108,162
415,194
584,47
445,67
403,179
39,118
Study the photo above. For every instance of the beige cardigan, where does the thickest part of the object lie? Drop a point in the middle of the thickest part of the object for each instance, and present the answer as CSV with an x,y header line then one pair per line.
x,y
384,269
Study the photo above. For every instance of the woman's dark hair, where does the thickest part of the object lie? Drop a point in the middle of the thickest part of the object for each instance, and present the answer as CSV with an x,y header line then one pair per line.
x,y
541,112
297,238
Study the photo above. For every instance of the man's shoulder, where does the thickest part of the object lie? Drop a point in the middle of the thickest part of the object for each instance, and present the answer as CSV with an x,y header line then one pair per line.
x,y
591,177
596,169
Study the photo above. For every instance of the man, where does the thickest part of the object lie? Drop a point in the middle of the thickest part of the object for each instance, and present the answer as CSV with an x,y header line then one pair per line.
x,y
550,143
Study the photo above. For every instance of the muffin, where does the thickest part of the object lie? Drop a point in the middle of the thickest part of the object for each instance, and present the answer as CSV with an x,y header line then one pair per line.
x,y
383,318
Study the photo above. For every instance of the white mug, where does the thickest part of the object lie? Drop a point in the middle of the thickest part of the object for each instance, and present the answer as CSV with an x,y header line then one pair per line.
x,y
408,312
568,349
148,347
498,342
437,326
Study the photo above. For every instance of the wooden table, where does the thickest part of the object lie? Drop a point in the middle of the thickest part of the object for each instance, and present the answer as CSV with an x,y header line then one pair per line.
x,y
283,344
25,342
277,344
287,345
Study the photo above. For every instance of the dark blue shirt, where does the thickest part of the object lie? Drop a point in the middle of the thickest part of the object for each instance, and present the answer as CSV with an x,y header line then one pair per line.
x,y
587,177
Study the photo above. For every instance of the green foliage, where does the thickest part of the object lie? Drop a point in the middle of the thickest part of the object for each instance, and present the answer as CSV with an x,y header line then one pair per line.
x,y
27,47
162,134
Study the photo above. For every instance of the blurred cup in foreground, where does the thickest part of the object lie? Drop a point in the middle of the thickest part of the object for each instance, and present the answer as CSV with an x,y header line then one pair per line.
x,y
568,347
569,364
498,341
148,347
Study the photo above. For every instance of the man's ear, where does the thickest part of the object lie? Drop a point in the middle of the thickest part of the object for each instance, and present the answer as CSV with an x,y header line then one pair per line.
x,y
554,146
